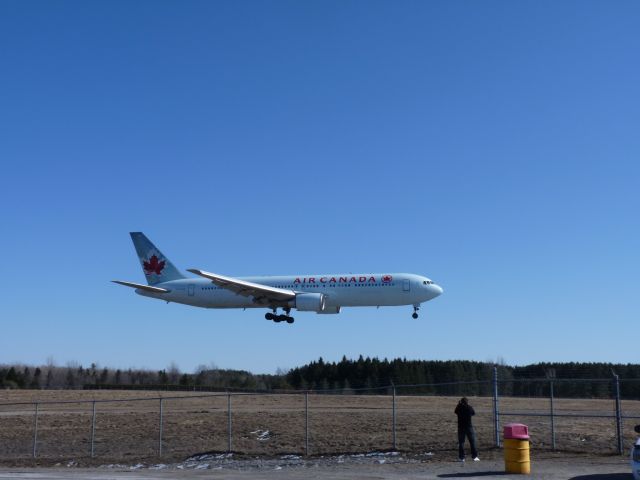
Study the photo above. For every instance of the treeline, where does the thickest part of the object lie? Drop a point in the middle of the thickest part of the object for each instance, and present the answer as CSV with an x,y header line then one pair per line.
x,y
463,377
373,373
75,376
362,375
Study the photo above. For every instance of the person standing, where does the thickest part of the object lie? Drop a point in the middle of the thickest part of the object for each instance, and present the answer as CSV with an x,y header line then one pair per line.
x,y
464,411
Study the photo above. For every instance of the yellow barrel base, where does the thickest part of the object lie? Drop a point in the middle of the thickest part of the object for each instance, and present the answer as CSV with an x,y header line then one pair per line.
x,y
516,456
518,467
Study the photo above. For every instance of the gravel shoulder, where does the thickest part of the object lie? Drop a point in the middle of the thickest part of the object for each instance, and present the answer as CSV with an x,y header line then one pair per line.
x,y
372,466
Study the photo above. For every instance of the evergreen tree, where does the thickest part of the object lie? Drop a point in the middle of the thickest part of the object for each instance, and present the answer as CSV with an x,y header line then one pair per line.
x,y
71,379
26,377
12,379
35,382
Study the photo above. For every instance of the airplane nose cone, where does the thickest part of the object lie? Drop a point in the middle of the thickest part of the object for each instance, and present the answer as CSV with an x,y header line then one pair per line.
x,y
437,290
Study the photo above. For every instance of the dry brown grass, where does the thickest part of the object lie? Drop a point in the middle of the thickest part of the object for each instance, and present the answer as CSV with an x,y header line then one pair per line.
x,y
128,430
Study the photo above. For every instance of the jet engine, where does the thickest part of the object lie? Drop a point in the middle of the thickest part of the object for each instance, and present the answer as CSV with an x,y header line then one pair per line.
x,y
331,310
310,302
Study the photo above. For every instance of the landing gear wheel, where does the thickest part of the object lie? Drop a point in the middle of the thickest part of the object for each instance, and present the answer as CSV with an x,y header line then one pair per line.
x,y
289,319
415,315
269,316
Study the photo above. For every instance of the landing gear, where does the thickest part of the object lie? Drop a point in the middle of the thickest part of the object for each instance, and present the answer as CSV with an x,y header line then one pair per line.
x,y
415,311
279,318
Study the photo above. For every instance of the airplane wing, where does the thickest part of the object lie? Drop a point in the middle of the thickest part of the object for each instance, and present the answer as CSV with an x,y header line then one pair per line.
x,y
148,288
262,293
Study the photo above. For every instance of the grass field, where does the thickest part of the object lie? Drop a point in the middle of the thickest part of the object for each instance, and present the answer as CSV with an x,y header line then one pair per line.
x,y
275,424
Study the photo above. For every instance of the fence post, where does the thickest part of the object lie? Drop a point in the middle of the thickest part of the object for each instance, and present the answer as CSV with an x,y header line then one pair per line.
x,y
35,431
618,413
93,428
496,413
395,445
229,422
160,431
553,423
306,423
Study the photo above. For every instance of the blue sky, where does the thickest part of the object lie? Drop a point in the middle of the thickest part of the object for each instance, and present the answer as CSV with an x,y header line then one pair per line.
x,y
492,146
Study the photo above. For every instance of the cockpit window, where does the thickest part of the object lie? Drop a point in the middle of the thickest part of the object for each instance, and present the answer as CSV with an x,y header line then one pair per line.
x,y
428,282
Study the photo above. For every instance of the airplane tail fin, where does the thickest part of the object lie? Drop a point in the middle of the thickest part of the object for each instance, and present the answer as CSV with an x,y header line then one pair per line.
x,y
157,268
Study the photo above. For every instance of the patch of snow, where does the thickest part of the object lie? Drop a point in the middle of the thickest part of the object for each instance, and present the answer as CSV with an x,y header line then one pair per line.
x,y
382,454
159,466
113,465
137,466
202,466
262,435
200,458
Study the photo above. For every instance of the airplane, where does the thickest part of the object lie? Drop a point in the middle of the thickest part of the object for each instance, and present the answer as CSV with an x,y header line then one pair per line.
x,y
323,294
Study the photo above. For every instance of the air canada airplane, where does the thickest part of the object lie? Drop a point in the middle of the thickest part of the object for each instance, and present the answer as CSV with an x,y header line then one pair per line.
x,y
325,294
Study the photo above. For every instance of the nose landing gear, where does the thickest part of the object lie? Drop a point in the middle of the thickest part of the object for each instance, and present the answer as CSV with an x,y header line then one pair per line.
x,y
415,311
279,318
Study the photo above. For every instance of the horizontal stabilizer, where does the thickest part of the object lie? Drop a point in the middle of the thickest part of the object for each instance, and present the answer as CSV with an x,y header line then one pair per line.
x,y
148,288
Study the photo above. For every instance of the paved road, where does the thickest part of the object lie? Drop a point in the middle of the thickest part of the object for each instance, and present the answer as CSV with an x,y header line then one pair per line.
x,y
579,468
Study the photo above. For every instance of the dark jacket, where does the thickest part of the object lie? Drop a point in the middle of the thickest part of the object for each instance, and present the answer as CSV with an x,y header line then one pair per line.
x,y
464,413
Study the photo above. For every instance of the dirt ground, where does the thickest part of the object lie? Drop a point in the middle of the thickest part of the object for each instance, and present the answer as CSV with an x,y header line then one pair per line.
x,y
273,425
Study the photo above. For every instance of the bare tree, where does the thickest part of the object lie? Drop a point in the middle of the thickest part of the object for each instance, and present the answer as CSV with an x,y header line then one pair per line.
x,y
173,373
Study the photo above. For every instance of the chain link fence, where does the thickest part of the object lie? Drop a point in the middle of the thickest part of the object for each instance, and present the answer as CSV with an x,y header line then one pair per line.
x,y
121,425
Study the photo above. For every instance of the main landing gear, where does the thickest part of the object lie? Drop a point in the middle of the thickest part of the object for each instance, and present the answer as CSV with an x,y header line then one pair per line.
x,y
279,318
415,311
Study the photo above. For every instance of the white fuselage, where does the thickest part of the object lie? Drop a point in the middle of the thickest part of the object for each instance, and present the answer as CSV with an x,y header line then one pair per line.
x,y
343,290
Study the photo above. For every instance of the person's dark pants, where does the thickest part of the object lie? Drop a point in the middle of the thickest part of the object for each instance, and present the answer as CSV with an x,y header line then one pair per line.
x,y
471,435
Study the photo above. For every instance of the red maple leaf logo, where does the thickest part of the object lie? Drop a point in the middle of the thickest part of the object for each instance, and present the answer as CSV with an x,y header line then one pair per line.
x,y
153,266
387,278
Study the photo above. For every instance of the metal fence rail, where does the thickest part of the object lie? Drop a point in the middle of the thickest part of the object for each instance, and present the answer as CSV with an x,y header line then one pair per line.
x,y
387,399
